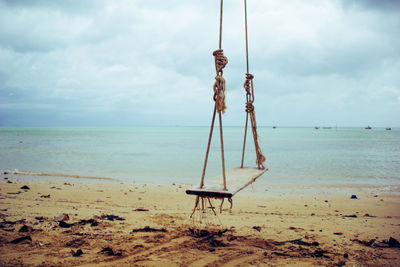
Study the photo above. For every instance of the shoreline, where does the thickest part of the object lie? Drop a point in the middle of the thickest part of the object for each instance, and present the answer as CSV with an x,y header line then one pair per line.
x,y
261,187
60,175
272,228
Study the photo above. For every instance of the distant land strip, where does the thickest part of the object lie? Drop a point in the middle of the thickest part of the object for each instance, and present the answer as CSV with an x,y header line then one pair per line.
x,y
60,175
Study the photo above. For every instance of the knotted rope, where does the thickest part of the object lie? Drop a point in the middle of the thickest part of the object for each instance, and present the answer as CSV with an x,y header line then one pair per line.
x,y
248,86
219,98
219,85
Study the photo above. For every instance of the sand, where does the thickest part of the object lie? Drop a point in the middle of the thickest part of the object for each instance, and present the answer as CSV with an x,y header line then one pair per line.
x,y
68,222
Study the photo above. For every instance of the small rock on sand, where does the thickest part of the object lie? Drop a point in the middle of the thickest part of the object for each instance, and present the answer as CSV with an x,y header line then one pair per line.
x,y
393,242
25,228
77,253
258,228
62,217
63,224
353,197
20,239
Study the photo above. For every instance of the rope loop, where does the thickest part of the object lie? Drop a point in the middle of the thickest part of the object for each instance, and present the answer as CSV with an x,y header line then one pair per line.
x,y
220,61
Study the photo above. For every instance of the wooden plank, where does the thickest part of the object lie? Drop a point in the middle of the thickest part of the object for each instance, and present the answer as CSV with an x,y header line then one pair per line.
x,y
209,193
237,179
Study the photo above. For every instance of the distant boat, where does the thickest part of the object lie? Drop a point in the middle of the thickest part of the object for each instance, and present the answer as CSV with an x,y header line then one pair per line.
x,y
273,127
316,128
388,129
368,128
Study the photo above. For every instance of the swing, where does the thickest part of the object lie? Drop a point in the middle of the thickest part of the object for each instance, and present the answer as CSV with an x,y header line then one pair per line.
x,y
240,177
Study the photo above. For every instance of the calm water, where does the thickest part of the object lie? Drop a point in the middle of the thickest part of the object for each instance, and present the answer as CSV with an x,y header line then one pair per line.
x,y
176,154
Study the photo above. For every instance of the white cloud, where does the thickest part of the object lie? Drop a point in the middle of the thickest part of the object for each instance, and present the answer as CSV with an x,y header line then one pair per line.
x,y
314,62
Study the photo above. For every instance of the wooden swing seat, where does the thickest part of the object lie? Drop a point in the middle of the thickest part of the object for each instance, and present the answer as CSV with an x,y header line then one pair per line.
x,y
239,178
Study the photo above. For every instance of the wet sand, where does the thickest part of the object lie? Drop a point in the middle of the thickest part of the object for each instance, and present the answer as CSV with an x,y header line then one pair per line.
x,y
116,224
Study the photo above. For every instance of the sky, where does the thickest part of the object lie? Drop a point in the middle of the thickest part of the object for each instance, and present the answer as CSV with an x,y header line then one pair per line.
x,y
149,63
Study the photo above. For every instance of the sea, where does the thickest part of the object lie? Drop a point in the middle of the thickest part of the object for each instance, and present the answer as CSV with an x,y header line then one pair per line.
x,y
163,155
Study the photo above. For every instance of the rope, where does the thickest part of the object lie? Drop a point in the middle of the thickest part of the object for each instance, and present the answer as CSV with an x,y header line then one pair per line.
x,y
245,28
208,148
220,24
248,86
220,106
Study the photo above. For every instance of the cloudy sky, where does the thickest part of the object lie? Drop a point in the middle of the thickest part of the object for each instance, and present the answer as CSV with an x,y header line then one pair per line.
x,y
128,63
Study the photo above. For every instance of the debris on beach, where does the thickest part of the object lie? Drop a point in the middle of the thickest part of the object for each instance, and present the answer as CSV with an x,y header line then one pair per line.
x,y
14,193
258,228
41,218
76,243
350,216
5,222
140,209
320,253
304,243
341,263
353,197
231,237
390,243
149,229
110,252
203,232
77,253
207,239
25,228
62,217
20,239
63,224
54,187
299,242
367,215
45,196
92,222
365,243
25,187
110,217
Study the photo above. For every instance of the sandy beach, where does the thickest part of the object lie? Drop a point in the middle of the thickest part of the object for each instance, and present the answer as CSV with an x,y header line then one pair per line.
x,y
69,222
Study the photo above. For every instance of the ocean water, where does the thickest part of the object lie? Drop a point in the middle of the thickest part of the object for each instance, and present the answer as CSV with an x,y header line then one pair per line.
x,y
176,154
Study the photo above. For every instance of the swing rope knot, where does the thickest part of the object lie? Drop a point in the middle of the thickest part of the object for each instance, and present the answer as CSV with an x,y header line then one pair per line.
x,y
219,85
220,61
247,83
248,86
260,158
249,107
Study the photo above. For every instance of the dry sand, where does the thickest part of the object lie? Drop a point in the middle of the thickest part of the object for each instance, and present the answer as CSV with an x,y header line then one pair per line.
x,y
115,224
